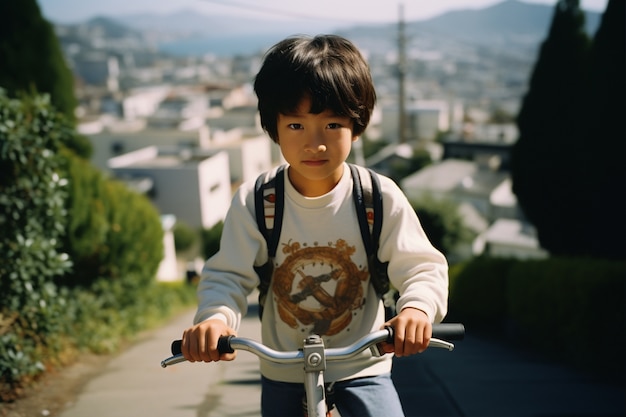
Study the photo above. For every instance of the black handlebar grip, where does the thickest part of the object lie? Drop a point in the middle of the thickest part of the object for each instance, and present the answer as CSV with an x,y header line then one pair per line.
x,y
223,344
449,331
177,347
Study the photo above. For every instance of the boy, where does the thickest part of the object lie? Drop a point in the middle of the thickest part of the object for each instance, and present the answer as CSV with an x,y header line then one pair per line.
x,y
315,98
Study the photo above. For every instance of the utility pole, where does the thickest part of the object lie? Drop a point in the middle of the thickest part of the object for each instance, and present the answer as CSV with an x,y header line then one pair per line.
x,y
402,127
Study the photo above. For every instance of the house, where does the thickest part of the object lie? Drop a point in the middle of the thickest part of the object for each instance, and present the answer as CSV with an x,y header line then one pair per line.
x,y
509,238
486,202
194,188
425,119
457,180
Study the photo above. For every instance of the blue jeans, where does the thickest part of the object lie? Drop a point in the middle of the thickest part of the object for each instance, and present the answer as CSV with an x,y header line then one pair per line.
x,y
373,396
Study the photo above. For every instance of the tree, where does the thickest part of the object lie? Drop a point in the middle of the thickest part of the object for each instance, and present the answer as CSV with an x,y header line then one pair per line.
x,y
605,139
31,57
547,160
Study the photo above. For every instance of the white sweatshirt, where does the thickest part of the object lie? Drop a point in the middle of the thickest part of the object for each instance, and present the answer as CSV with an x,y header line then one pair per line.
x,y
320,283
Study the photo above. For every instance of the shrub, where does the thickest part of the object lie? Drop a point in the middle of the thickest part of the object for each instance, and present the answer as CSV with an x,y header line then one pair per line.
x,y
32,219
113,231
211,240
572,310
478,294
114,238
568,307
184,237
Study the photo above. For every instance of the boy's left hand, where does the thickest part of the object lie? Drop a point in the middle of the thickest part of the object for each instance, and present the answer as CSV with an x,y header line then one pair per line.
x,y
412,332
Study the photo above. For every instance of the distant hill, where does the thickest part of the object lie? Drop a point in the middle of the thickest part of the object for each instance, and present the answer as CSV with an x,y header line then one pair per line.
x,y
509,19
193,22
508,23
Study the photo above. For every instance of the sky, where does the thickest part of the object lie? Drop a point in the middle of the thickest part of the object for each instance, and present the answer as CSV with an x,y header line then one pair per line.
x,y
353,11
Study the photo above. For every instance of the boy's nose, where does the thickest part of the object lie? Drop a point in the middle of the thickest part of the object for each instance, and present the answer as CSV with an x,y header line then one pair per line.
x,y
316,144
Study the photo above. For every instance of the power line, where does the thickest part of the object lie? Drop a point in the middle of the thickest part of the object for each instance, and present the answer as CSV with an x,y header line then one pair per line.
x,y
276,12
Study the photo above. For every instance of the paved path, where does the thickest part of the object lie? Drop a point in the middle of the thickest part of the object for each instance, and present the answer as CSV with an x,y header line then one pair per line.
x,y
478,379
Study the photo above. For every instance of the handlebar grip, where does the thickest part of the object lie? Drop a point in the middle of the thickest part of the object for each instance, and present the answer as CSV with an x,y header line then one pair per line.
x,y
449,331
223,345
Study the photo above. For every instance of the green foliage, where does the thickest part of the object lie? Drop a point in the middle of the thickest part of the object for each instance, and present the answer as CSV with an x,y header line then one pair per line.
x,y
32,60
184,237
113,232
485,279
211,240
565,308
62,221
32,223
105,316
442,223
501,116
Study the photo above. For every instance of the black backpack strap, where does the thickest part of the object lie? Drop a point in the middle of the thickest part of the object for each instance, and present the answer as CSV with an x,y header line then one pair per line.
x,y
268,206
368,201
362,197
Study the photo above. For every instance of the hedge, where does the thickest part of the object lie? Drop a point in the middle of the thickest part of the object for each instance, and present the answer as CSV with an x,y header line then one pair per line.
x,y
572,310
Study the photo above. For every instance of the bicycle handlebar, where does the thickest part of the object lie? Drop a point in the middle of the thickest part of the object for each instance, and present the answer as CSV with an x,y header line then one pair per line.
x,y
228,344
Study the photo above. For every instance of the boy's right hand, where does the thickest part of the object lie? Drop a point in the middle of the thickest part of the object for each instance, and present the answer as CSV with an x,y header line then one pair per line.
x,y
199,343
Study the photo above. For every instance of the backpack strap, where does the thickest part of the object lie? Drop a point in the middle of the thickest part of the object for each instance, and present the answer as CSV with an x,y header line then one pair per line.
x,y
368,201
268,206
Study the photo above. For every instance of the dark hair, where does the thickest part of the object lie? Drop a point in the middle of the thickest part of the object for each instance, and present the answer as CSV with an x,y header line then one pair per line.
x,y
328,69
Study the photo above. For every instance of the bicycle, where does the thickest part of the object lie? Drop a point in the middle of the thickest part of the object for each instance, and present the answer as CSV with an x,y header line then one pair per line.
x,y
314,357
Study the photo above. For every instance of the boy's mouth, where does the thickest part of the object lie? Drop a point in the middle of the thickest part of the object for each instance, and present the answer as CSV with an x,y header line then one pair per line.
x,y
314,162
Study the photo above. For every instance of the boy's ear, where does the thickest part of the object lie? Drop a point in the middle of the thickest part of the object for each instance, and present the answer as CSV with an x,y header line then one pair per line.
x,y
355,138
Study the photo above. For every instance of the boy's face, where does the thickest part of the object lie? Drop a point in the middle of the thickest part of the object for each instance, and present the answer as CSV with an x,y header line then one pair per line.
x,y
315,146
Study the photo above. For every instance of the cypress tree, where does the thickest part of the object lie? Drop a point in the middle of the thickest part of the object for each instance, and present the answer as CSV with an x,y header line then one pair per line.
x,y
605,139
31,59
545,169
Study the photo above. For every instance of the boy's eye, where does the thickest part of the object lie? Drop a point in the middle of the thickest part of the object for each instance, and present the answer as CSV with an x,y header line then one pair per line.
x,y
334,125
294,126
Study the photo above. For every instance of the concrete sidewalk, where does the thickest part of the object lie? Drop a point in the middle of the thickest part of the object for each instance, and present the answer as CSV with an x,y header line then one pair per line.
x,y
477,379
134,384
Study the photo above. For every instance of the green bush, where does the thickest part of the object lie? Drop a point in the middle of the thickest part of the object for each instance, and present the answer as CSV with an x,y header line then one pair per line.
x,y
571,309
32,219
57,211
113,231
477,294
184,237
102,318
211,240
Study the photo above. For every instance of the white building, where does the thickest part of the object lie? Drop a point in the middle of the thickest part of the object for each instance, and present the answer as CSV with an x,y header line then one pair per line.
x,y
509,238
486,203
195,189
248,151
122,137
425,119
457,180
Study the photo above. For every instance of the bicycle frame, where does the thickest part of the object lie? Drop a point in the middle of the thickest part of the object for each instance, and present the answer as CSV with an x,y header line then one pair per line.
x,y
314,356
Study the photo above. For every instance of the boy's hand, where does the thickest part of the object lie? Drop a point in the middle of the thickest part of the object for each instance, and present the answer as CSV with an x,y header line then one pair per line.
x,y
412,332
200,342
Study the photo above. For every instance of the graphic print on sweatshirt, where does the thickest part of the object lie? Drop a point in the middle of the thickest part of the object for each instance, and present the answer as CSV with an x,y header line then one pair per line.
x,y
319,287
